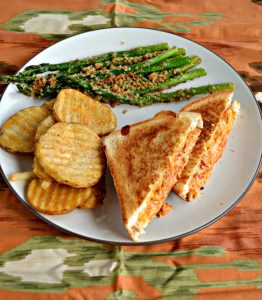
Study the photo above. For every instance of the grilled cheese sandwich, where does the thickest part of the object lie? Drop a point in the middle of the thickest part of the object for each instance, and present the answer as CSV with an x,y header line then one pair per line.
x,y
145,160
218,114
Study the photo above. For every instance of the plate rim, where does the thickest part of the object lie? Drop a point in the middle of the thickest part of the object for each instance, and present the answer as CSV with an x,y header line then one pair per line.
x,y
132,243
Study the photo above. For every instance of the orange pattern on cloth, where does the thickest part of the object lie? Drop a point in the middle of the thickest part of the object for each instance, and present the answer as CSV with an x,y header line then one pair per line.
x,y
233,31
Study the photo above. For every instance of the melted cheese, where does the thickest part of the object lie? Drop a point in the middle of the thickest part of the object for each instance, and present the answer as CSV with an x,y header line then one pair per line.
x,y
214,150
154,201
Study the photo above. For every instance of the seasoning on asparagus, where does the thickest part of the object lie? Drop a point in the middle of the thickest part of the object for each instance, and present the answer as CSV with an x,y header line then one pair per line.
x,y
173,81
72,67
132,76
80,63
178,95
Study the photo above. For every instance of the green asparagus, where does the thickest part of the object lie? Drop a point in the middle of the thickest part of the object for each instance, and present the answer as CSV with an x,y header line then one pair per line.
x,y
19,78
80,63
173,81
183,94
170,64
178,95
152,69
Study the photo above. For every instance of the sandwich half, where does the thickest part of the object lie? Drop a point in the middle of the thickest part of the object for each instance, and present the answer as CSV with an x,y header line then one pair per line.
x,y
145,159
218,113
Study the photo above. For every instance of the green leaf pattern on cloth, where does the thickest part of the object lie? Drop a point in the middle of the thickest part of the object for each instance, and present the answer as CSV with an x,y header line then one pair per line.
x,y
56,24
52,264
123,295
145,12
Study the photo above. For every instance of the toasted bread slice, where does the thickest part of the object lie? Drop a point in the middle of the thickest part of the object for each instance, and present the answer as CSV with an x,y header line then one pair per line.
x,y
145,160
191,141
218,117
73,106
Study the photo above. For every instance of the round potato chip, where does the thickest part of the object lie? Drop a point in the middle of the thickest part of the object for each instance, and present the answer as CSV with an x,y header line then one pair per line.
x,y
73,106
58,198
39,171
18,132
49,104
44,126
71,154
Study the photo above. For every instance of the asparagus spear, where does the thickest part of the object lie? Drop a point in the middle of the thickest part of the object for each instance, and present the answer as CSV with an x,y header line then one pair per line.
x,y
72,67
178,95
87,86
25,89
19,78
47,91
159,58
173,81
76,68
169,64
175,66
183,94
194,61
145,64
45,67
172,60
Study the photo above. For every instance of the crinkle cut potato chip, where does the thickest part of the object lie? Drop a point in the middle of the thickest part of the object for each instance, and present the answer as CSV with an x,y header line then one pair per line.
x,y
59,199
97,195
71,154
39,171
49,104
73,106
44,126
18,132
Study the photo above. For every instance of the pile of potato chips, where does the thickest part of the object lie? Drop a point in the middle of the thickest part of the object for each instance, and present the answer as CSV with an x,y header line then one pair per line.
x,y
69,163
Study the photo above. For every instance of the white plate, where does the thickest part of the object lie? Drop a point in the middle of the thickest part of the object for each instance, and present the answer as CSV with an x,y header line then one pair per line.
x,y
232,176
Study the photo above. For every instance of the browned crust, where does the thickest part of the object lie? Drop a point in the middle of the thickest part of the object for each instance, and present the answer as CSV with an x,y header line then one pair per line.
x,y
165,209
208,160
113,155
166,113
209,99
156,148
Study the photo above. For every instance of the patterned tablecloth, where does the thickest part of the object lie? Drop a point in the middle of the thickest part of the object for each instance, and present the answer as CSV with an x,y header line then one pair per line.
x,y
223,261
